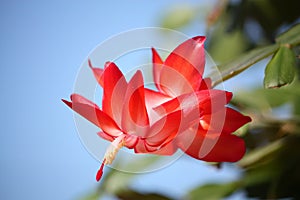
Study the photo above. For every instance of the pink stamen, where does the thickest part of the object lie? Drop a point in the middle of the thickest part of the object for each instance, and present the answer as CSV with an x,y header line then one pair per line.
x,y
100,171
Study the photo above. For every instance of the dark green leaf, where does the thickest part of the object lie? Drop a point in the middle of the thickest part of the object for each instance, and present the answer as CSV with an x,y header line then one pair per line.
x,y
280,70
213,191
292,36
243,62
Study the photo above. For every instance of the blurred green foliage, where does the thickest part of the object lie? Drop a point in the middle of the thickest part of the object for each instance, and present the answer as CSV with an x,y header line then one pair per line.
x,y
213,191
179,16
240,34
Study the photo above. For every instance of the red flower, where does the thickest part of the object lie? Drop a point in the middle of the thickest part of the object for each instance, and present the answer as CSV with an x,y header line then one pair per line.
x,y
211,139
185,113
124,117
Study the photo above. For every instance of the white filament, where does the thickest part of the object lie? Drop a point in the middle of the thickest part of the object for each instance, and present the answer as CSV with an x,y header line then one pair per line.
x,y
113,149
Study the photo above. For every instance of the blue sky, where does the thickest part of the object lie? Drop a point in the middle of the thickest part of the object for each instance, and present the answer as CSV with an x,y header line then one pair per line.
x,y
43,44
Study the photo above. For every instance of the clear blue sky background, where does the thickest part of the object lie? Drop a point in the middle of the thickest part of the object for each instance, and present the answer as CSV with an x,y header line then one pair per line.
x,y
43,43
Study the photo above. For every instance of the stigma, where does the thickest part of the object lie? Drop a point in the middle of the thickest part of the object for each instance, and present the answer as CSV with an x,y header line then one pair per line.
x,y
110,154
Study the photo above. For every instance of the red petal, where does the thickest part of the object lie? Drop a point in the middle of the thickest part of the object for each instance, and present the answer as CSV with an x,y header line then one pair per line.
x,y
135,117
169,106
153,99
140,146
157,66
206,100
105,136
98,72
131,141
225,120
234,120
113,91
164,130
166,150
187,61
205,84
214,100
169,126
211,147
91,112
229,148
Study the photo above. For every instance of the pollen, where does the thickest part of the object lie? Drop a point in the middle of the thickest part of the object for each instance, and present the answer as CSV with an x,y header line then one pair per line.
x,y
113,149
